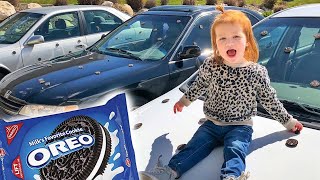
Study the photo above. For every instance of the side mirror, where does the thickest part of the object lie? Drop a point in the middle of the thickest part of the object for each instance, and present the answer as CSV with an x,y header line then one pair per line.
x,y
190,52
36,39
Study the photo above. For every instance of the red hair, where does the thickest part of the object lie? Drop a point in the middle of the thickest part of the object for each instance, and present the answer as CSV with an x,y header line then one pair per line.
x,y
233,16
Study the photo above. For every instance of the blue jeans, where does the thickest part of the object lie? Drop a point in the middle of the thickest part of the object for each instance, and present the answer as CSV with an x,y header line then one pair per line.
x,y
235,138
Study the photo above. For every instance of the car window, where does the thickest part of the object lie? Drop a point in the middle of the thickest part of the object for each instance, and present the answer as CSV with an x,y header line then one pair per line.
x,y
147,37
200,34
268,39
12,29
100,21
306,37
60,26
294,57
253,19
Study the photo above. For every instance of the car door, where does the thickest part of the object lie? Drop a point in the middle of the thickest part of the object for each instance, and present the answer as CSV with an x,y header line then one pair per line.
x,y
12,32
62,35
97,23
199,34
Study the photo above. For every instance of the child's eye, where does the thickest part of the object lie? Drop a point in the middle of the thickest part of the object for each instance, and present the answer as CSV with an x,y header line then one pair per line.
x,y
221,39
236,37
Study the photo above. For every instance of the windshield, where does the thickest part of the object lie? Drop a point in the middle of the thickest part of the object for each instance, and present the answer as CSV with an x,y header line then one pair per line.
x,y
12,29
145,37
290,49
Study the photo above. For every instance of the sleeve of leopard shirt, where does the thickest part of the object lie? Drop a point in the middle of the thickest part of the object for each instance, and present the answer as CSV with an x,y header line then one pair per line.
x,y
268,99
201,83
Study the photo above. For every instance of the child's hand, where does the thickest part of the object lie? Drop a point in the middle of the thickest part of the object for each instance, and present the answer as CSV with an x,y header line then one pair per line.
x,y
297,127
178,107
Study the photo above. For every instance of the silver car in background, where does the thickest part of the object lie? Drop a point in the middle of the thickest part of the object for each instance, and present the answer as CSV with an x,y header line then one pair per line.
x,y
39,34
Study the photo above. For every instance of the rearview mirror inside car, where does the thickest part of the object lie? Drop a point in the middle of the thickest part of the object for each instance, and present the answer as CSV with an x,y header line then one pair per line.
x,y
103,35
36,39
190,52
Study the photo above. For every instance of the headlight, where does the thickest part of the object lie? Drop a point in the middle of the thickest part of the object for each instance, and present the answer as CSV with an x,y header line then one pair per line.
x,y
35,110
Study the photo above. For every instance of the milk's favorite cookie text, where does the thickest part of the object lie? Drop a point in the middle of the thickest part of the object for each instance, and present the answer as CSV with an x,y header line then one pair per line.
x,y
58,135
40,157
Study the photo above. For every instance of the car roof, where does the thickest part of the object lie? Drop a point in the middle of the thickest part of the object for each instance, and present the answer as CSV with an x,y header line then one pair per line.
x,y
57,9
308,10
192,10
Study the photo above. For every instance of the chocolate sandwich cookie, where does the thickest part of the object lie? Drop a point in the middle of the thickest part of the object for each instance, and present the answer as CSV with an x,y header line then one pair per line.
x,y
90,146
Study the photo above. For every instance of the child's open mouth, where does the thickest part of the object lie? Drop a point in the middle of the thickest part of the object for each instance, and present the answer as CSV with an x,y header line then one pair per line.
x,y
231,52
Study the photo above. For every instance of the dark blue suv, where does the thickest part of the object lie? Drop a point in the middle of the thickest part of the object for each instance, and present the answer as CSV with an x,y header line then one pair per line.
x,y
145,57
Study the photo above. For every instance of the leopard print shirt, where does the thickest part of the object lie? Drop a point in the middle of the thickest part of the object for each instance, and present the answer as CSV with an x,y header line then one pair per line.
x,y
231,94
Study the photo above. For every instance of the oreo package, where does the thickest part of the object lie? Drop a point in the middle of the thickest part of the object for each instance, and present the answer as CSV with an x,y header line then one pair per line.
x,y
93,143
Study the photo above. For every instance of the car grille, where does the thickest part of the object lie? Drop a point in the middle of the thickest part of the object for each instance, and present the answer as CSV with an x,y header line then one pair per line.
x,y
11,105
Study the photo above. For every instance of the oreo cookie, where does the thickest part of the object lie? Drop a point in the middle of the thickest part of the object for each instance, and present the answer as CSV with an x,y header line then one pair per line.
x,y
86,163
291,143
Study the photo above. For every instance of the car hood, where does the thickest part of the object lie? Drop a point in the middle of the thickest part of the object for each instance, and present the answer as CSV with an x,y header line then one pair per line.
x,y
8,47
156,131
52,83
3,46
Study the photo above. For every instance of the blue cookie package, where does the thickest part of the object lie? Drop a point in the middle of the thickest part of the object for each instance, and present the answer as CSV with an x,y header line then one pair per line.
x,y
93,143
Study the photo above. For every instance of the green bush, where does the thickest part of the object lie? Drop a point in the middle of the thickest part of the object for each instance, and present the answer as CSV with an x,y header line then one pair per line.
x,y
269,3
267,13
60,3
231,2
211,2
150,4
164,2
241,3
188,2
136,5
279,7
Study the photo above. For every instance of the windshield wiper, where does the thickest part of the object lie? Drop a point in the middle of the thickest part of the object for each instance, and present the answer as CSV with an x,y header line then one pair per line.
x,y
306,108
309,121
95,49
302,112
124,52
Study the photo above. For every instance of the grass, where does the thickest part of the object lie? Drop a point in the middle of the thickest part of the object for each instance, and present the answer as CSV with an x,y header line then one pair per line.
x,y
179,2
